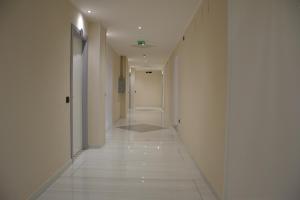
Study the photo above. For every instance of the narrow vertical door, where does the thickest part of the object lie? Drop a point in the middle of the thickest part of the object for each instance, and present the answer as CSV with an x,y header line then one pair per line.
x,y
77,95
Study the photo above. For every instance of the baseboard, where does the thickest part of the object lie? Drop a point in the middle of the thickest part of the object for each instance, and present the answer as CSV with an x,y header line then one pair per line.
x,y
49,181
149,109
212,189
95,146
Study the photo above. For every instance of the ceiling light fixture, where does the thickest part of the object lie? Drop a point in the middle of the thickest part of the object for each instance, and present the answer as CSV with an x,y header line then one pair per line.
x,y
144,56
140,28
89,11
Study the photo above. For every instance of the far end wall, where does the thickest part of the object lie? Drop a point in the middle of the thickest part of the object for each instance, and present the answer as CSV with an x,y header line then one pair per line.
x,y
148,87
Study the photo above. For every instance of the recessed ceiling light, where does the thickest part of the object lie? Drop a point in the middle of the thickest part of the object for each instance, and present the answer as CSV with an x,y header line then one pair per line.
x,y
89,11
144,55
140,28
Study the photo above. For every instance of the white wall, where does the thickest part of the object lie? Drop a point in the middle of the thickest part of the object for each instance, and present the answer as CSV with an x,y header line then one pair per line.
x,y
124,98
34,81
263,161
148,89
131,88
175,92
109,88
96,84
116,104
202,89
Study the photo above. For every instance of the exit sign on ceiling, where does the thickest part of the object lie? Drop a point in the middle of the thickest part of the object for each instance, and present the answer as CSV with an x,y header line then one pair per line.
x,y
141,42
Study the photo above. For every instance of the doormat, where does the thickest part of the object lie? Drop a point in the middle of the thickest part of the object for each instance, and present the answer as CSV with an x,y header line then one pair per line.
x,y
141,127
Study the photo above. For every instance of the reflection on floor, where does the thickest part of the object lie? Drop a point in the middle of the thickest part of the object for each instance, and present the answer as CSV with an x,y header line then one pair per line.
x,y
133,165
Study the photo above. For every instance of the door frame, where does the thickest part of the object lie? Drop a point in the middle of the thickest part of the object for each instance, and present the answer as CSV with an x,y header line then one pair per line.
x,y
75,32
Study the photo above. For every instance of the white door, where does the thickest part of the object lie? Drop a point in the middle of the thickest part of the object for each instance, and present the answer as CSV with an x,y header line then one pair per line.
x,y
77,95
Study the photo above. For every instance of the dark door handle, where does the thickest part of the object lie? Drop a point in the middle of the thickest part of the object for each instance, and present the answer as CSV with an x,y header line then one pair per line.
x,y
67,99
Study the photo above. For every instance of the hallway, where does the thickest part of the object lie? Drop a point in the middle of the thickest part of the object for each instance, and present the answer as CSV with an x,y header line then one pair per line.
x,y
149,100
133,166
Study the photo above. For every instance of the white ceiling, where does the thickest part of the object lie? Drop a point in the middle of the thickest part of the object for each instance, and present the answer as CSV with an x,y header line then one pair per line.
x,y
163,22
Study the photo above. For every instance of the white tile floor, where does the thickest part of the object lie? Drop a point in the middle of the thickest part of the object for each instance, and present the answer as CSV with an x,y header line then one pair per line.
x,y
133,166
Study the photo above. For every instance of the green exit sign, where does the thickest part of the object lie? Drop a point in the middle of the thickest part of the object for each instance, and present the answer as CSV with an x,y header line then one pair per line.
x,y
141,42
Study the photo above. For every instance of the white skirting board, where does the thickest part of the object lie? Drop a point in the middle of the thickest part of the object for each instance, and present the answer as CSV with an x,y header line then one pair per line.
x,y
95,146
195,163
50,180
149,108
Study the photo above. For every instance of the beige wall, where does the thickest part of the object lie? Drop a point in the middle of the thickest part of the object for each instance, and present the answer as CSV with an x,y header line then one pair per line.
x,y
96,84
148,89
34,81
203,69
169,90
264,110
124,97
127,87
115,64
119,100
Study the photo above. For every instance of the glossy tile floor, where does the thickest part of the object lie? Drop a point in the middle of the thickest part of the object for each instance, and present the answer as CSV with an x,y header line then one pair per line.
x,y
151,165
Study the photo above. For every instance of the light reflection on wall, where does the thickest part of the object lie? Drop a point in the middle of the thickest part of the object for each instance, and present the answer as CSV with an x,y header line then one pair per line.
x,y
80,22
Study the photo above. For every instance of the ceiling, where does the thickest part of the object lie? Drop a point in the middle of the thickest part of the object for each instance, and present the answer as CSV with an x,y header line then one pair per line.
x,y
163,24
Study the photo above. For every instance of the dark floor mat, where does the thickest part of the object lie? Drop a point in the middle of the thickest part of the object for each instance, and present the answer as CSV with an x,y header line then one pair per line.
x,y
141,127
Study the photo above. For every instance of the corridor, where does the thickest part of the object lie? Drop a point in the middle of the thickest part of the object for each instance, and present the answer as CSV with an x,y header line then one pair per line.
x,y
133,165
149,100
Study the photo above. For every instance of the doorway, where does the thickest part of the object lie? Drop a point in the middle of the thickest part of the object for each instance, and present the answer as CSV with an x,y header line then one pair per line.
x,y
78,91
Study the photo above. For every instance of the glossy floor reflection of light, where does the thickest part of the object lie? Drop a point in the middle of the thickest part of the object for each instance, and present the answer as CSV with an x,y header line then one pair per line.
x,y
132,165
